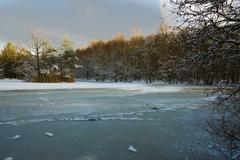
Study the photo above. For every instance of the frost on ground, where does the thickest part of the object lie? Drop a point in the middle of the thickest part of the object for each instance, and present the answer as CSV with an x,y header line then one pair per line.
x,y
8,85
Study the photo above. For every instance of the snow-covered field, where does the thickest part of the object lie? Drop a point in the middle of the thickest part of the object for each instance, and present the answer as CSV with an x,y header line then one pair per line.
x,y
10,85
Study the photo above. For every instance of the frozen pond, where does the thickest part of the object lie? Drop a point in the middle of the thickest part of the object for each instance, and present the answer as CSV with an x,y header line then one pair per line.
x,y
161,122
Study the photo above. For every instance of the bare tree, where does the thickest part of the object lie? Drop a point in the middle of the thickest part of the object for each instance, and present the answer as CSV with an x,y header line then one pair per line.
x,y
215,45
224,122
40,46
37,46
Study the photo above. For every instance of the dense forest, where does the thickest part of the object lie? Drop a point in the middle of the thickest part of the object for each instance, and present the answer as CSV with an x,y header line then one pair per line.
x,y
170,55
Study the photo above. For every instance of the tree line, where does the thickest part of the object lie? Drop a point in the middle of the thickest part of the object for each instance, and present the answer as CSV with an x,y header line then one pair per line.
x,y
150,58
171,55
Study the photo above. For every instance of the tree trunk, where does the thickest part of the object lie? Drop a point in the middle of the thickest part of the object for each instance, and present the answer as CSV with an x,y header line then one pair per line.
x,y
38,66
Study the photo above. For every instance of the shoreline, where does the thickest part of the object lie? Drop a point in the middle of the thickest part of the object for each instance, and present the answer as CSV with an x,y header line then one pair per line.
x,y
19,85
140,86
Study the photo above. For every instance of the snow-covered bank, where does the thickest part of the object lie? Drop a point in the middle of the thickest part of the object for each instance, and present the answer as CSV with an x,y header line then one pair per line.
x,y
9,85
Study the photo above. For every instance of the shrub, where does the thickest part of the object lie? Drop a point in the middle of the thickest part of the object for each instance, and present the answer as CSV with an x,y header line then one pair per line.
x,y
54,78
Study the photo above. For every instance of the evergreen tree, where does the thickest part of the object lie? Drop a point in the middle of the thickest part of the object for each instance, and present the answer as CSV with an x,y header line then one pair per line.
x,y
9,58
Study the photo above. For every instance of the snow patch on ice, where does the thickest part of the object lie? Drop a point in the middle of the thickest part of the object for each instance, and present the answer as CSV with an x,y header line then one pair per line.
x,y
211,98
15,137
49,134
8,158
132,149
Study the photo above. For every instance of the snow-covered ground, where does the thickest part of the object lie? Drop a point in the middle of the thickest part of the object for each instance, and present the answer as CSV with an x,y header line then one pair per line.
x,y
10,85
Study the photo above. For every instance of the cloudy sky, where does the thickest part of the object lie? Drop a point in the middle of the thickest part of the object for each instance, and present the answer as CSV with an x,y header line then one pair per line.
x,y
80,20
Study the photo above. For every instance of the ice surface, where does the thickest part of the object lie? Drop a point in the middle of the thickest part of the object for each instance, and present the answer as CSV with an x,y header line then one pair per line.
x,y
96,104
88,157
132,120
